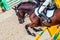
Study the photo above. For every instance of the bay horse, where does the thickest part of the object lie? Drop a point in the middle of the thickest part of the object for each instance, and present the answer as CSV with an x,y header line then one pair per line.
x,y
24,8
35,21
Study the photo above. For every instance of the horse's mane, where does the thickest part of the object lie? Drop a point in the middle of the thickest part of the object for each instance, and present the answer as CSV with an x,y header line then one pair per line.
x,y
29,2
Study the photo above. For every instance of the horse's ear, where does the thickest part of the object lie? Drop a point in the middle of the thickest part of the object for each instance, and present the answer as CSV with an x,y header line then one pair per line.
x,y
14,8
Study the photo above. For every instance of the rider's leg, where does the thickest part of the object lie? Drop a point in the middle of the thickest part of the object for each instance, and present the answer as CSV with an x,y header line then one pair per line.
x,y
47,19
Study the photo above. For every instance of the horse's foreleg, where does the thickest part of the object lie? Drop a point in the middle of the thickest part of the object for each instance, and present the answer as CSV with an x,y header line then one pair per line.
x,y
32,25
26,27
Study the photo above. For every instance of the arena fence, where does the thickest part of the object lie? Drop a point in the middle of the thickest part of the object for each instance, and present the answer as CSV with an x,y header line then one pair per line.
x,y
7,4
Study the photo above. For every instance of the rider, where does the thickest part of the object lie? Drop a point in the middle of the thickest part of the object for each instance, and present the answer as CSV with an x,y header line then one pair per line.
x,y
39,10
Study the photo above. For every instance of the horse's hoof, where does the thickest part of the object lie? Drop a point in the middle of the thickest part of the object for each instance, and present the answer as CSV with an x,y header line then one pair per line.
x,y
33,34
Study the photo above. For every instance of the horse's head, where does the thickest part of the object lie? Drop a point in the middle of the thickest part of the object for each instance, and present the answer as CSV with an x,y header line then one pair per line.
x,y
23,8
21,16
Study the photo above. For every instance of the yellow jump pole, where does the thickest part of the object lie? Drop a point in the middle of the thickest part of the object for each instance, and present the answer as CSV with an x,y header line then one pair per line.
x,y
38,35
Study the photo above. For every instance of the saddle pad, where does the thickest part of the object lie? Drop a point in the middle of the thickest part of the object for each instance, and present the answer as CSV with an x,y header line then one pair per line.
x,y
50,13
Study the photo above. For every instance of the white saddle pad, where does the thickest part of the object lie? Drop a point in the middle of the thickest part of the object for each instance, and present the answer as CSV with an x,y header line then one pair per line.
x,y
50,13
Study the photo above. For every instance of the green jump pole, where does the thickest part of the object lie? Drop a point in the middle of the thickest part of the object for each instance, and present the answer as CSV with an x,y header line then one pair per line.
x,y
4,5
